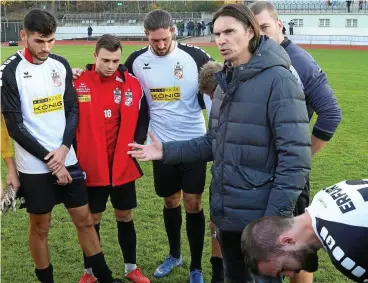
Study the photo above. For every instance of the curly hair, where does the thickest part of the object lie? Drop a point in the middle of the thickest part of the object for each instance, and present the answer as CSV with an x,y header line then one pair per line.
x,y
207,82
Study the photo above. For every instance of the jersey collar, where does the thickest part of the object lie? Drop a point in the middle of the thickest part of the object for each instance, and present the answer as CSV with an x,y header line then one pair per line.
x,y
119,72
28,55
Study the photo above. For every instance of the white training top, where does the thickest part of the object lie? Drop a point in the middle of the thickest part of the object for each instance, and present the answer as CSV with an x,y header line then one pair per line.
x,y
40,89
340,220
170,84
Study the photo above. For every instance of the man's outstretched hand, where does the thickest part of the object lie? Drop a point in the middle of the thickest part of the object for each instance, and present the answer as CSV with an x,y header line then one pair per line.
x,y
147,152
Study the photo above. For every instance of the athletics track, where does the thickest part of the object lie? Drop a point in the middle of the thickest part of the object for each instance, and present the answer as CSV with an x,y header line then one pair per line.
x,y
201,44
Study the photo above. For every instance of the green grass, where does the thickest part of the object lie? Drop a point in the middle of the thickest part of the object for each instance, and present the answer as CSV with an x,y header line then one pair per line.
x,y
345,157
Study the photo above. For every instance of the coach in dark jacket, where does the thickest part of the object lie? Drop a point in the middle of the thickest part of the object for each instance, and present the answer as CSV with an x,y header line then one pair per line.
x,y
260,141
258,135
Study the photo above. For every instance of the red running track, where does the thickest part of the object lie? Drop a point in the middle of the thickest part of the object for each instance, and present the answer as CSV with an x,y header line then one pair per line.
x,y
143,43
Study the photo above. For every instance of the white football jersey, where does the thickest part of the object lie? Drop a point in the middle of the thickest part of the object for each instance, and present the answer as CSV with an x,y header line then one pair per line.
x,y
170,84
40,89
340,220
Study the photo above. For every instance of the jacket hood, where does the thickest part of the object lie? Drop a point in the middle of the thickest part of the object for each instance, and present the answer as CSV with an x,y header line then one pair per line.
x,y
268,54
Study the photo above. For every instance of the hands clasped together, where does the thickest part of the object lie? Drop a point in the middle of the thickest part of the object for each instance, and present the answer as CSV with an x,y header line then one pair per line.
x,y
56,163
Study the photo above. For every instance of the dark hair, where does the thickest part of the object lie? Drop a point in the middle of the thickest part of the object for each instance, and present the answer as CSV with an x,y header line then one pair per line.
x,y
259,239
109,42
243,14
41,21
157,19
260,6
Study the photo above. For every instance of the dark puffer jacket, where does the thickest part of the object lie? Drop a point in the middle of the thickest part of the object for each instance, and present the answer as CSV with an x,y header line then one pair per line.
x,y
258,138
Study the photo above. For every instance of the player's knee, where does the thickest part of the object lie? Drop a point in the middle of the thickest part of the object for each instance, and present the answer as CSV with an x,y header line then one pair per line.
x,y
173,201
40,227
192,203
123,215
83,221
96,218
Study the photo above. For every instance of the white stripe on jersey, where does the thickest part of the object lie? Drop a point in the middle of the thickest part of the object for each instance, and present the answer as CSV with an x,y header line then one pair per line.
x,y
296,75
208,102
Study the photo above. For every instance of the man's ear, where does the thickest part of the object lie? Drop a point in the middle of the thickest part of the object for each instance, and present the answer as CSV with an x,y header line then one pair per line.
x,y
251,32
280,25
23,37
172,29
285,240
146,32
23,34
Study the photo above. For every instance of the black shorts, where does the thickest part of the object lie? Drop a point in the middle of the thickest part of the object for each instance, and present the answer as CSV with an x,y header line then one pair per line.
x,y
122,197
169,179
303,200
41,192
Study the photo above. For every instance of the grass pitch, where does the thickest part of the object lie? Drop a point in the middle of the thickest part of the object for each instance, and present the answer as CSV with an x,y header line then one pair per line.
x,y
345,157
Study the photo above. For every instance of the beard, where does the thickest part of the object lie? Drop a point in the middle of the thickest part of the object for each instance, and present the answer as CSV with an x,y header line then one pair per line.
x,y
308,259
167,51
37,56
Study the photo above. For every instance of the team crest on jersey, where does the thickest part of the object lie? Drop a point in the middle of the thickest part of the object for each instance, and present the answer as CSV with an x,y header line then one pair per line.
x,y
128,98
178,71
56,78
117,95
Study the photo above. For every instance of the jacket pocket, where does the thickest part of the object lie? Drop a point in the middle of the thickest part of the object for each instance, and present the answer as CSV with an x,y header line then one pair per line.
x,y
253,179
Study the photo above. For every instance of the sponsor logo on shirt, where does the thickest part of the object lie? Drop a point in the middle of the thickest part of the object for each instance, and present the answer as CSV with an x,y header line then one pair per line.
x,y
342,200
26,75
84,98
167,94
146,66
82,88
47,104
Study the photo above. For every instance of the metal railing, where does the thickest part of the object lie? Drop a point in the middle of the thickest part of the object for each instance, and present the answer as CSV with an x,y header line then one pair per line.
x,y
330,39
113,18
320,7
